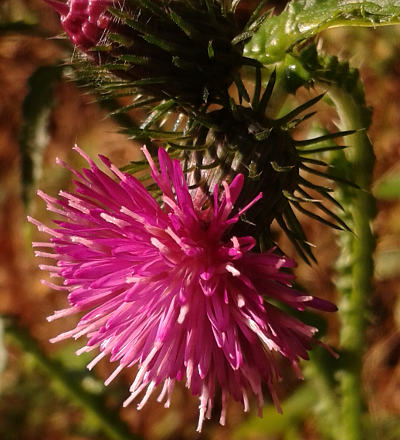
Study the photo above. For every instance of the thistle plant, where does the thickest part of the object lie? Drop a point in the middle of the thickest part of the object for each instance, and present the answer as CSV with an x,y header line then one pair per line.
x,y
171,262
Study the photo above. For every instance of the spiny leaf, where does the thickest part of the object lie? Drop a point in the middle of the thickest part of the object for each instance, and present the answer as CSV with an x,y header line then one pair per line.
x,y
303,19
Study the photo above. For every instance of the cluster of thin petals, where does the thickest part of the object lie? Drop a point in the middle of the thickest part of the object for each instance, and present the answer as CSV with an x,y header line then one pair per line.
x,y
163,285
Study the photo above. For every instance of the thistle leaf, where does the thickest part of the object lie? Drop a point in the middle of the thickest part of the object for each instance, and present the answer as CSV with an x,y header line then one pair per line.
x,y
302,19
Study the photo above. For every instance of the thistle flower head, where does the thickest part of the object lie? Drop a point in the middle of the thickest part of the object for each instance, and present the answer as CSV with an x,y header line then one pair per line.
x,y
169,288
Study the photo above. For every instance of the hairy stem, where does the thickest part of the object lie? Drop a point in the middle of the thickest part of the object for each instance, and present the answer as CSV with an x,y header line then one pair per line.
x,y
355,265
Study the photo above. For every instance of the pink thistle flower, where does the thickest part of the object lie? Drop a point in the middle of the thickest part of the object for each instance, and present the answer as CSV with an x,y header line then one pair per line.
x,y
84,21
169,289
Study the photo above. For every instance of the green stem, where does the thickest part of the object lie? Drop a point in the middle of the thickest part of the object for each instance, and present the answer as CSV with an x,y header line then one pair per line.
x,y
107,420
355,263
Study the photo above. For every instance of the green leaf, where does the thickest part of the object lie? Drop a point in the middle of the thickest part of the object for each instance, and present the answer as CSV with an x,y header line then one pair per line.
x,y
303,19
388,188
33,137
106,419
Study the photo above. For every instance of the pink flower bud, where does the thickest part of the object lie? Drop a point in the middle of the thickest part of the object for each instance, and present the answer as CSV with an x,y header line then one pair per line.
x,y
84,21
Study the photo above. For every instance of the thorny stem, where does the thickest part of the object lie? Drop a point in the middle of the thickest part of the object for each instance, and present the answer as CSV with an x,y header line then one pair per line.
x,y
355,264
107,420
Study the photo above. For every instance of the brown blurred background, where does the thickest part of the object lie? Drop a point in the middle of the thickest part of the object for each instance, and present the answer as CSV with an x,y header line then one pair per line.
x,y
32,406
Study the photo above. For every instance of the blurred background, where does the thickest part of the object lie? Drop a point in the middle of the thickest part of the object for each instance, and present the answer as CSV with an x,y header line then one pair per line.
x,y
40,112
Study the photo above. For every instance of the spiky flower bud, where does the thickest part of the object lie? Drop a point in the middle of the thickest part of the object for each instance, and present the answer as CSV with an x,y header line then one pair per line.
x,y
186,51
244,140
